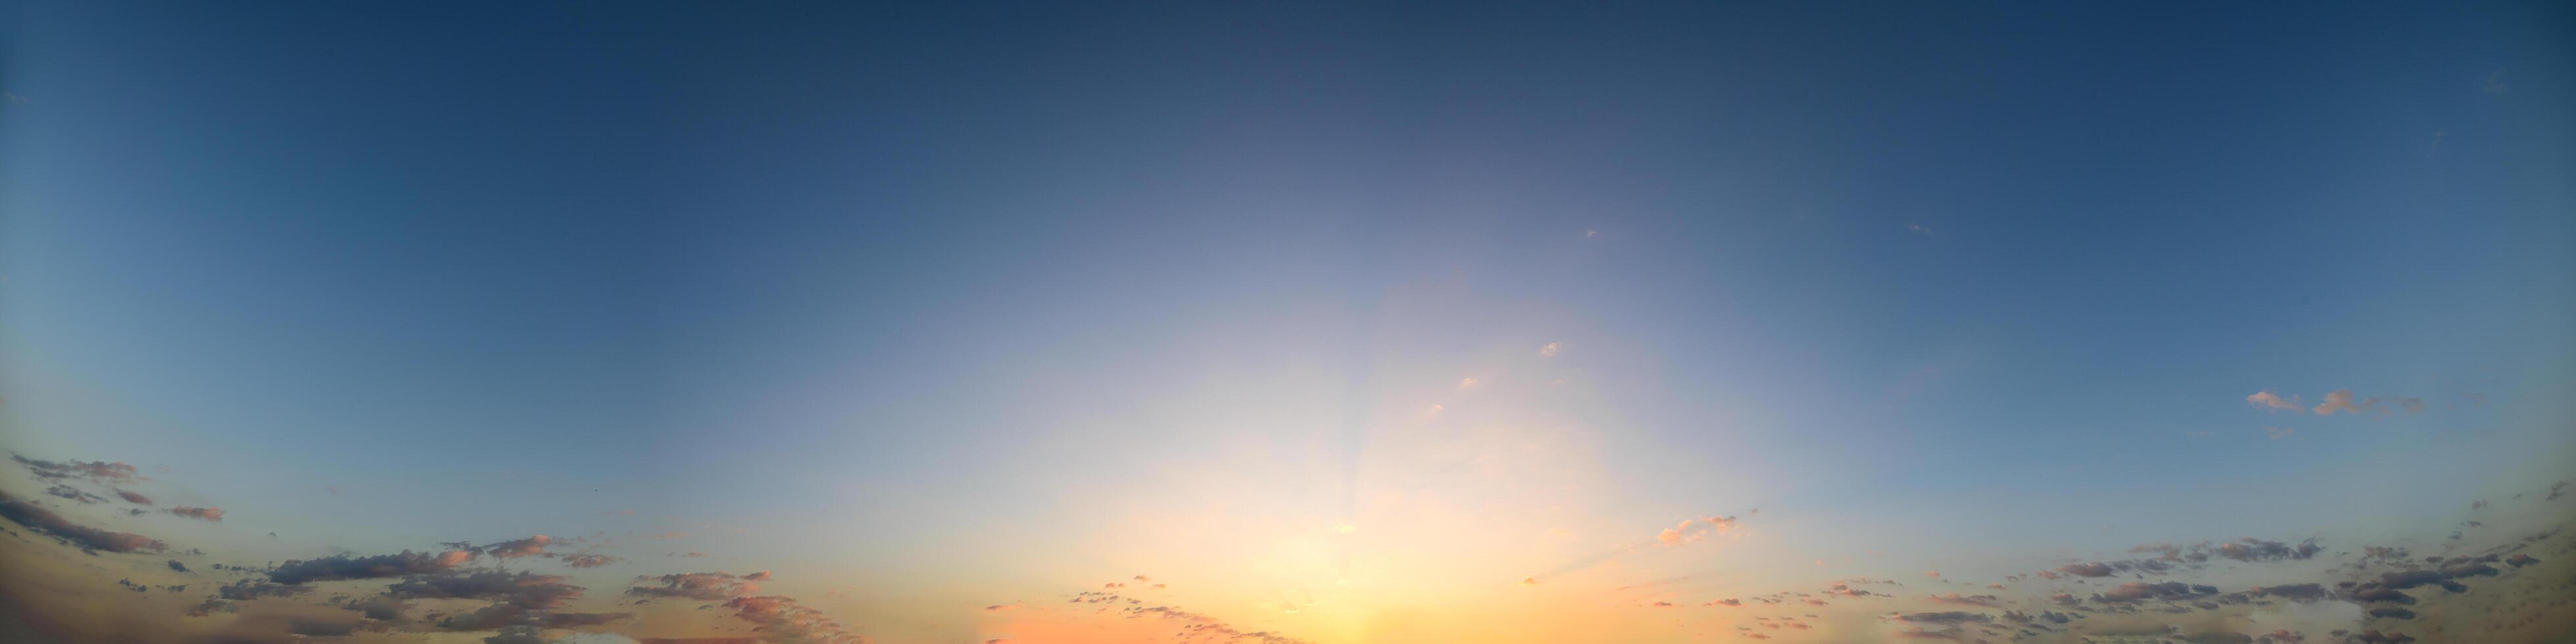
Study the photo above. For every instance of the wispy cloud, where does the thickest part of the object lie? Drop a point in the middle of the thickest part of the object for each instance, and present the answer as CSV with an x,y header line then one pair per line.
x,y
2272,401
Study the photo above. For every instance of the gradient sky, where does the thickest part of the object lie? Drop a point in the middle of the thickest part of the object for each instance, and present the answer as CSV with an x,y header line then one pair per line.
x,y
1371,311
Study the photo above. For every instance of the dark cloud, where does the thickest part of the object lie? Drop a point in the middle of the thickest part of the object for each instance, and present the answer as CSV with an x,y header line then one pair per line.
x,y
210,607
382,607
179,567
1990,601
93,470
2299,592
2252,549
131,497
209,514
2052,617
73,493
2096,569
376,567
522,589
44,521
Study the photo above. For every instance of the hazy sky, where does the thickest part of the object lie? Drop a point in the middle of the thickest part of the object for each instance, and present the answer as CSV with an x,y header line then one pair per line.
x,y
1368,312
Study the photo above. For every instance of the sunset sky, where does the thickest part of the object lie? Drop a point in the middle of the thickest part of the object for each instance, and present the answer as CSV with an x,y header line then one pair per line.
x,y
1337,323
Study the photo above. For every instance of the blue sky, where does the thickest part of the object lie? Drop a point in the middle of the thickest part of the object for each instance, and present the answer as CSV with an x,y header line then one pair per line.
x,y
880,288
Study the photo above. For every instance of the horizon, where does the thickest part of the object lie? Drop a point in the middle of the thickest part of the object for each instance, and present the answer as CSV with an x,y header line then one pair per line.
x,y
1271,323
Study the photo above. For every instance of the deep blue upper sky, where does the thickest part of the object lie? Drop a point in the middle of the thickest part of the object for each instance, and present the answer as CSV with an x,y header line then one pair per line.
x,y
924,264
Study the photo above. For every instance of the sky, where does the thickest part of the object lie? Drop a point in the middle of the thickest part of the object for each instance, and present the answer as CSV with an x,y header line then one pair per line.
x,y
1349,323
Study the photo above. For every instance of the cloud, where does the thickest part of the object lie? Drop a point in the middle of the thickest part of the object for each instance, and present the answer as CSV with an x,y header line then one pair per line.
x,y
2278,433
2252,549
785,620
1675,535
1989,601
1550,349
501,615
45,521
2271,401
248,589
2142,591
514,548
96,471
709,586
376,567
73,493
2341,400
522,589
2095,569
209,514
2300,592
1690,530
1947,617
586,560
669,535
131,497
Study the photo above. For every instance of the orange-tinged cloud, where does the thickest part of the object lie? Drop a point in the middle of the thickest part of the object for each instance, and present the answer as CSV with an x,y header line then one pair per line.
x,y
2271,401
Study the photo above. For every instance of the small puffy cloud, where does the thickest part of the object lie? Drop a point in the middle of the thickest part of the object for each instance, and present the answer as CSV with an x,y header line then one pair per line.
x,y
1002,607
2274,402
1550,349
1466,383
1990,601
45,521
1675,535
209,514
131,497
